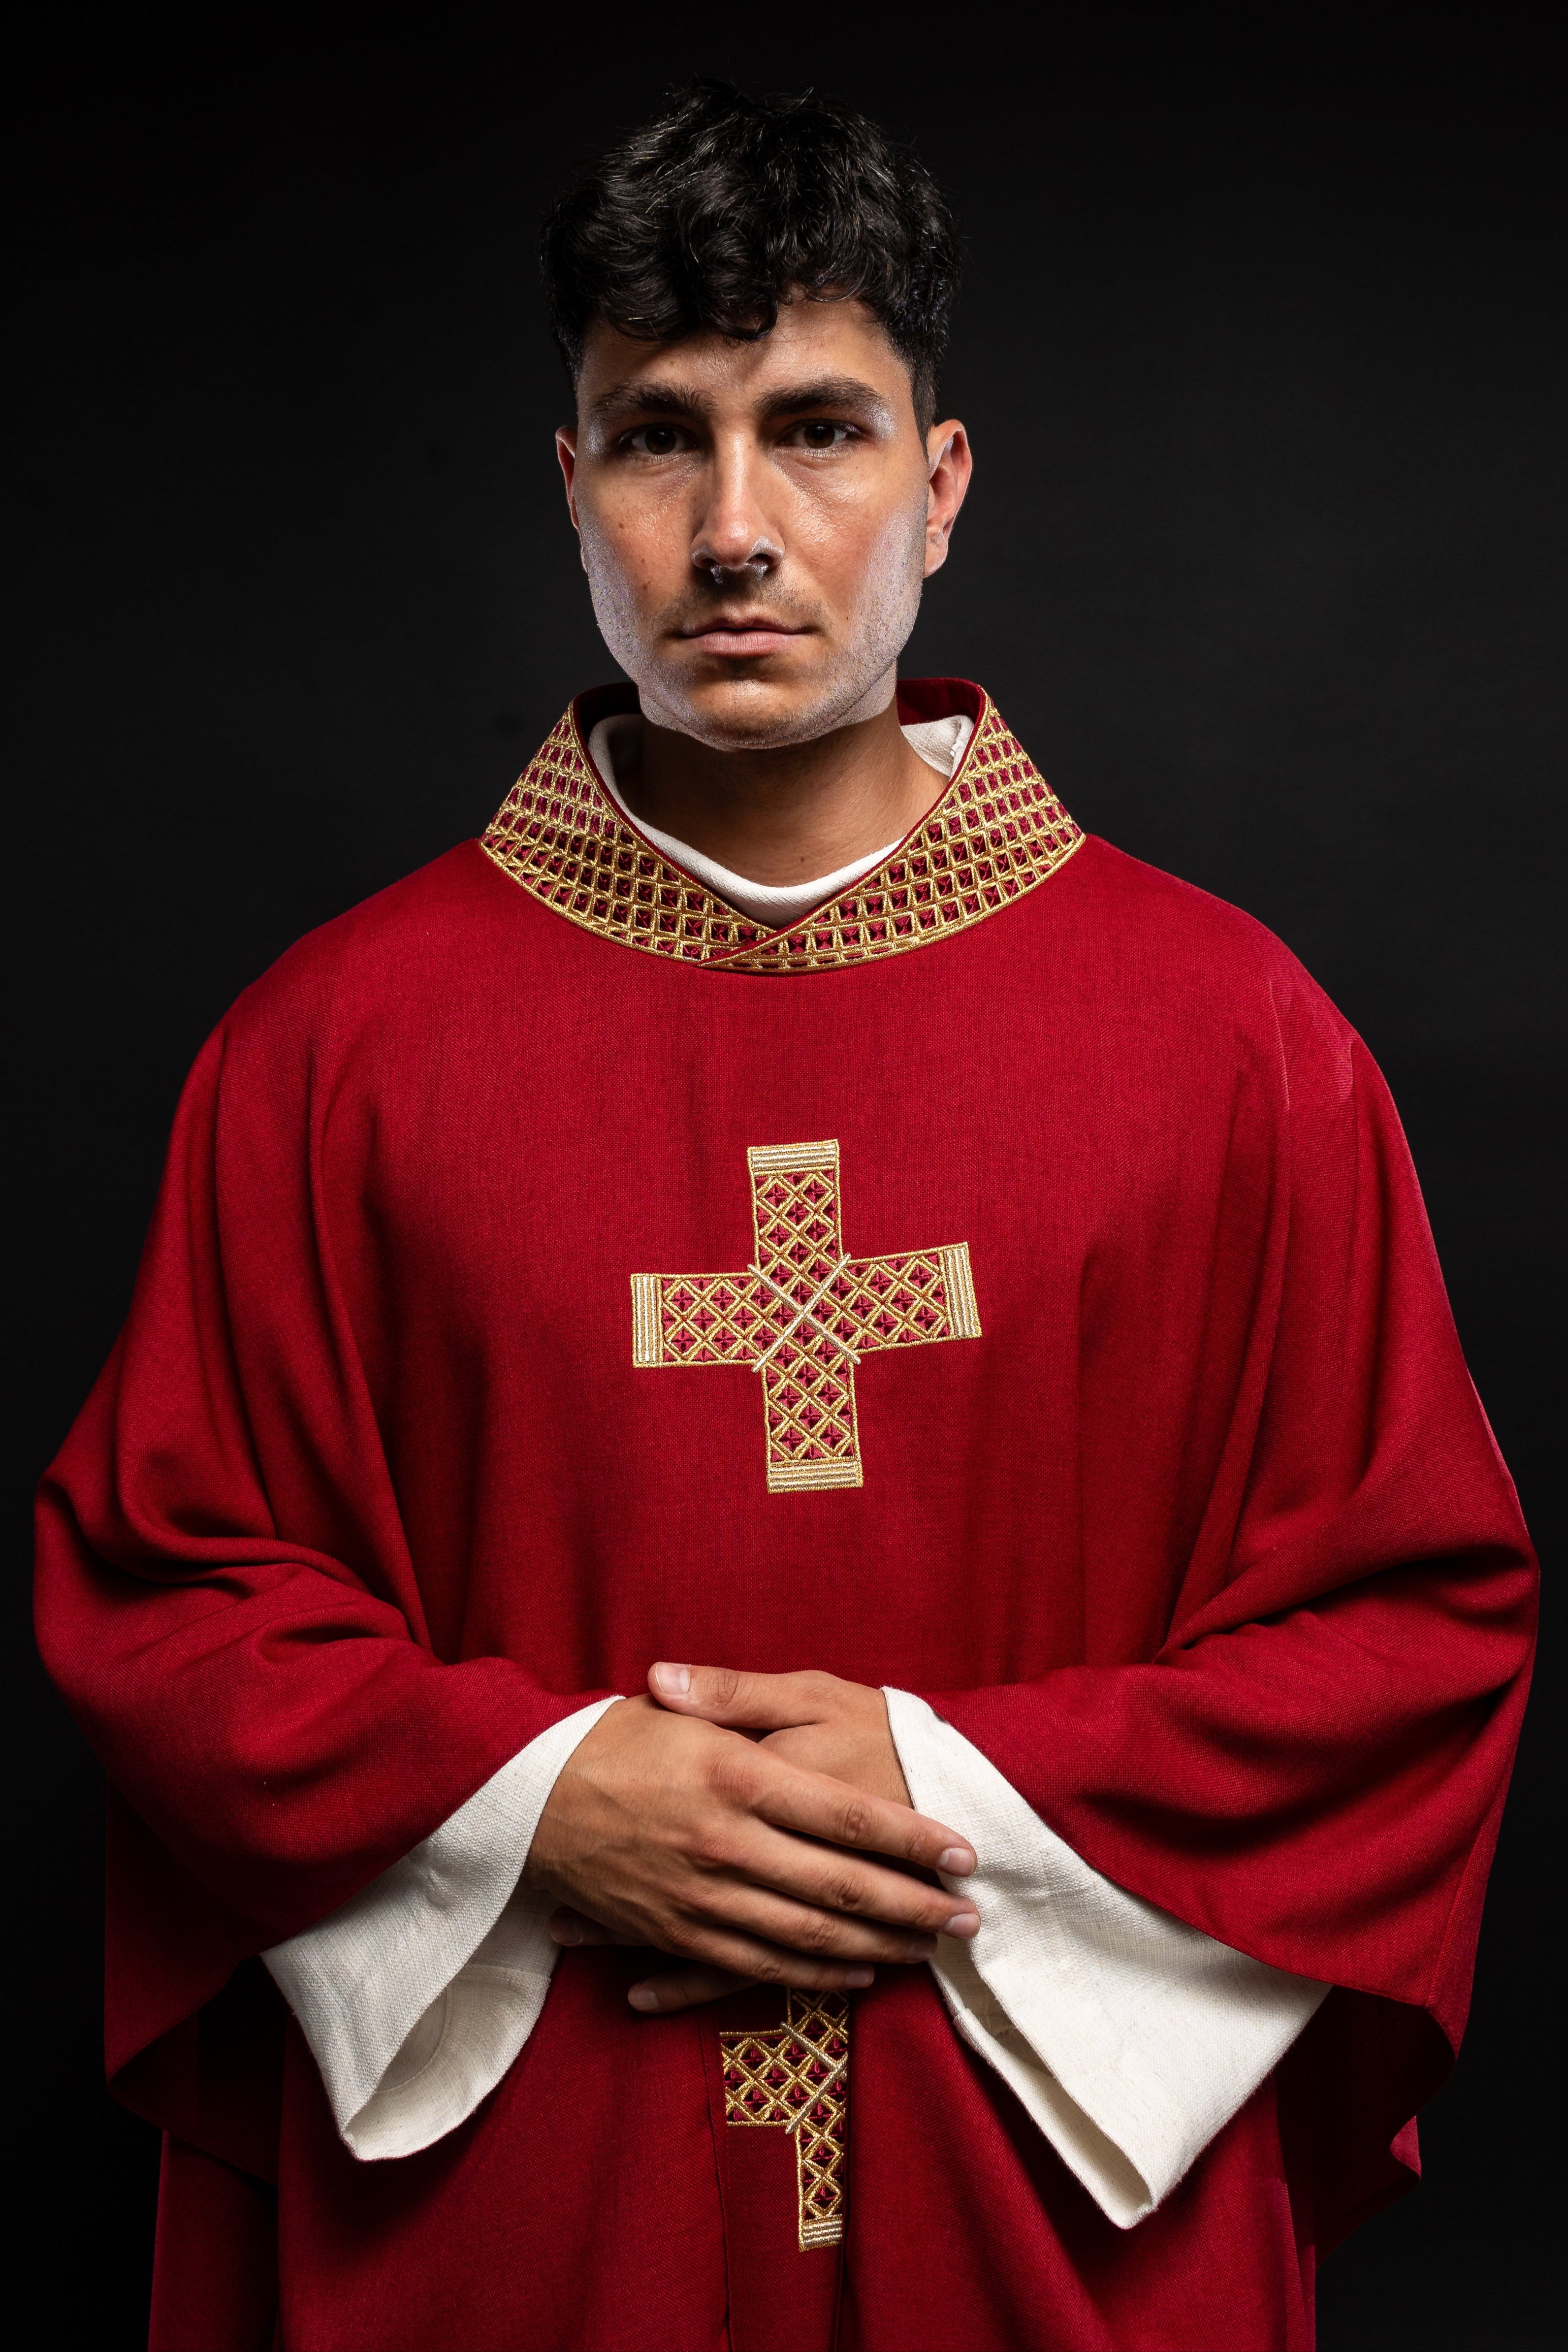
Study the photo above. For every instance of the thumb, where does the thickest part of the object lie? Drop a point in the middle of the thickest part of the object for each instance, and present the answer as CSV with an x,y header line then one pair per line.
x,y
741,1701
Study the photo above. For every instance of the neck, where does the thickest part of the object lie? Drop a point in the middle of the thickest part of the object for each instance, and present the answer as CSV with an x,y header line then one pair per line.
x,y
786,814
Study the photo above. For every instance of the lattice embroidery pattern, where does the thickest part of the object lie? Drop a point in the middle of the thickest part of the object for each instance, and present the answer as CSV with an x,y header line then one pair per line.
x,y
998,830
803,1314
795,2078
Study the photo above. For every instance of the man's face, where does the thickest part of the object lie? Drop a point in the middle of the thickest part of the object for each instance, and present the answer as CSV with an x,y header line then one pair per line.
x,y
756,521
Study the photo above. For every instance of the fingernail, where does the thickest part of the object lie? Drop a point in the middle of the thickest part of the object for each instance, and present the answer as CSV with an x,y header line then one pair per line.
x,y
857,1978
675,1681
963,1924
565,1931
956,1862
642,1997
921,1948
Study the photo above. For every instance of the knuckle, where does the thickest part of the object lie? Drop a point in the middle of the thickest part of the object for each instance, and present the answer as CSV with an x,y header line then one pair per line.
x,y
727,1682
845,1892
709,1850
676,1934
732,1773
818,1932
854,1821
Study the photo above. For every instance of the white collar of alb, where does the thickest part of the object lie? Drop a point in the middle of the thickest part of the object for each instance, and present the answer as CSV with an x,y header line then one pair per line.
x,y
940,742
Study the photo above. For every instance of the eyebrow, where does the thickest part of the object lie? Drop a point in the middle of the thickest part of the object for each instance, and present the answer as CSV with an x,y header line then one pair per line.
x,y
827,392
637,395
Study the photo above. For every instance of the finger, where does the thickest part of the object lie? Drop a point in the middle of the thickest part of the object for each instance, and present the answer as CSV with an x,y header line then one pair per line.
x,y
742,1702
734,1907
571,1928
795,1926
684,1989
750,1962
825,1878
816,1806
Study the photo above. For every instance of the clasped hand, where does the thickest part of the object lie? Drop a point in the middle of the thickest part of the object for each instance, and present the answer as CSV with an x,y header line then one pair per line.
x,y
755,1827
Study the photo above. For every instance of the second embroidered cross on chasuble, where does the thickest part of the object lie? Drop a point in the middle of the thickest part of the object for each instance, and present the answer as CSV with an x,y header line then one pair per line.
x,y
1007,1286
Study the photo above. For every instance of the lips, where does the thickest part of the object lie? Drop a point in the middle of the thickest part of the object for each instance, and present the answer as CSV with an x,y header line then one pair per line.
x,y
742,639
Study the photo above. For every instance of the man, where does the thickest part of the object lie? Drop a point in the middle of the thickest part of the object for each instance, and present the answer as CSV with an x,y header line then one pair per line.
x,y
789,1523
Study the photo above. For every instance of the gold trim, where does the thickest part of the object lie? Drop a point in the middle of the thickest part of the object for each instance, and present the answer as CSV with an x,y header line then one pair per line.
x,y
802,1315
787,1158
796,1478
960,1285
998,832
795,2078
645,1319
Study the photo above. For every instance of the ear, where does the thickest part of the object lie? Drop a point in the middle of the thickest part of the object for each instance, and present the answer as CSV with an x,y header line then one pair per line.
x,y
566,450
951,462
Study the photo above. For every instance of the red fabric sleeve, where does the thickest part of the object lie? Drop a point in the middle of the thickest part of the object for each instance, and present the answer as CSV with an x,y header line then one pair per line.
x,y
1313,1766
226,1596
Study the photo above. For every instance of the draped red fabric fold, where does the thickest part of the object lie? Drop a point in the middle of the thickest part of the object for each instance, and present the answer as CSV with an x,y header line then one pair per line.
x,y
1311,1764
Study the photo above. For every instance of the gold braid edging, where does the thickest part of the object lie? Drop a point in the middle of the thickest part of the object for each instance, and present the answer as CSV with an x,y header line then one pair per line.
x,y
997,832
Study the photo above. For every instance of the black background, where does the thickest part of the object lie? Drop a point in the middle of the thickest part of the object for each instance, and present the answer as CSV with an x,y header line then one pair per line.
x,y
1256,355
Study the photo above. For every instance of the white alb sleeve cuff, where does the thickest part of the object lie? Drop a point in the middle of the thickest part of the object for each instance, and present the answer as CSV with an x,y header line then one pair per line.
x,y
418,1993
1129,2037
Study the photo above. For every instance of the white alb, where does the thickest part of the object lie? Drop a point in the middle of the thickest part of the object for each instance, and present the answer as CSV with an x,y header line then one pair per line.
x,y
1130,2037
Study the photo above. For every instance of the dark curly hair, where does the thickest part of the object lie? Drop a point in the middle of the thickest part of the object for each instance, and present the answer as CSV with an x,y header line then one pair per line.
x,y
725,206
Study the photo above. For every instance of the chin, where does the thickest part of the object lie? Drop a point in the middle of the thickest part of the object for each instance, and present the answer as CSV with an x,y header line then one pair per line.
x,y
753,713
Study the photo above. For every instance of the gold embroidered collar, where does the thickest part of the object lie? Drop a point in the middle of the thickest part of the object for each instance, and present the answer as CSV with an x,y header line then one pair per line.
x,y
998,830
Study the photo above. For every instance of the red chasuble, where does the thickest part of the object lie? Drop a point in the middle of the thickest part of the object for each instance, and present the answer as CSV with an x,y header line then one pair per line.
x,y
1009,1285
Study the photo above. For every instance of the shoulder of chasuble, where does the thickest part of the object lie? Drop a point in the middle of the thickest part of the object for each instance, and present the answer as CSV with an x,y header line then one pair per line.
x,y
996,832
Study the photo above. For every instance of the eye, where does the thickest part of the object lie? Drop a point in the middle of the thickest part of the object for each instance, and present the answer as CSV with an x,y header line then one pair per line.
x,y
820,433
656,440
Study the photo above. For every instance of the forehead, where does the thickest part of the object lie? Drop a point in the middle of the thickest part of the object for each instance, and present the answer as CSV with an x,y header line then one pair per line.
x,y
810,341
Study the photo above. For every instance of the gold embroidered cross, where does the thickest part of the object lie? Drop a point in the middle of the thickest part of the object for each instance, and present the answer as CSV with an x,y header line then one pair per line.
x,y
795,2077
803,1313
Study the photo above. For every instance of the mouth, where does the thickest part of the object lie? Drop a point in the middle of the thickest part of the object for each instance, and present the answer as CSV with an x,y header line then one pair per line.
x,y
740,638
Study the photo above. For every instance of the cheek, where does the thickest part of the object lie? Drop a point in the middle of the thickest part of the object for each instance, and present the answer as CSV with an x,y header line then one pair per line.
x,y
862,551
633,552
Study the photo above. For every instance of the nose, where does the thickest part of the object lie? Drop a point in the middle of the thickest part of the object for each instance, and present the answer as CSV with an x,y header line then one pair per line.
x,y
755,566
732,543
